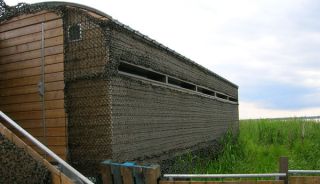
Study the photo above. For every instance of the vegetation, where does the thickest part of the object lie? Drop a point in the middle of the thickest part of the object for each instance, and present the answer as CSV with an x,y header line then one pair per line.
x,y
258,147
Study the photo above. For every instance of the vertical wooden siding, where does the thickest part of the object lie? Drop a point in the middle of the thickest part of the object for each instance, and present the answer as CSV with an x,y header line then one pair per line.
x,y
20,73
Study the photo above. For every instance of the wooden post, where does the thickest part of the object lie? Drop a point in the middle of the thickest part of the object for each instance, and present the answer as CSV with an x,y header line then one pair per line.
x,y
152,175
127,175
138,175
116,173
106,174
283,168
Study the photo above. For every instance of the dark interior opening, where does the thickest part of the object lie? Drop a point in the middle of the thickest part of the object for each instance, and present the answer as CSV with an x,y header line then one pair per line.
x,y
135,70
233,99
180,83
206,91
155,76
74,32
219,95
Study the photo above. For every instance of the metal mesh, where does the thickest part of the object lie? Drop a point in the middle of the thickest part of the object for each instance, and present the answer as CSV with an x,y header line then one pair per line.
x,y
3,8
152,121
19,167
86,92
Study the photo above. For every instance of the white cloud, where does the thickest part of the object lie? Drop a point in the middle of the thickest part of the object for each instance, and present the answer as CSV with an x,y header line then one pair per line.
x,y
249,110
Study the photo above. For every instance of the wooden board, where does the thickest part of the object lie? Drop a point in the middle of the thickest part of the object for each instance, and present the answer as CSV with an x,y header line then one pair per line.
x,y
31,46
31,37
32,80
52,86
32,54
33,106
32,97
37,123
30,29
13,19
26,21
50,132
31,115
304,179
54,141
36,71
52,59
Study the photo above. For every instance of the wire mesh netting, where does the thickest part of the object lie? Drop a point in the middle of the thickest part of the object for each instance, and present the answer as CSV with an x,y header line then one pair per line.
x,y
19,167
86,92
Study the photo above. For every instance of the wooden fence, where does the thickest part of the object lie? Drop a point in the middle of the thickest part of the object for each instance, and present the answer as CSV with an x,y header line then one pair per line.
x,y
130,173
304,179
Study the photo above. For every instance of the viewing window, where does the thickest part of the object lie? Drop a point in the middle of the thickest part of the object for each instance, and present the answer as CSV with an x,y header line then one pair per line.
x,y
138,71
74,32
233,99
141,72
219,95
206,91
180,83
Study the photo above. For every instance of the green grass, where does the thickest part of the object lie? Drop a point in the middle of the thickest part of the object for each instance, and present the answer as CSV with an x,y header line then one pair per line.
x,y
258,147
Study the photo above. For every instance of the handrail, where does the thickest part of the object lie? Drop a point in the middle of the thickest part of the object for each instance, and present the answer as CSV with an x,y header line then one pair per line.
x,y
171,176
304,171
45,149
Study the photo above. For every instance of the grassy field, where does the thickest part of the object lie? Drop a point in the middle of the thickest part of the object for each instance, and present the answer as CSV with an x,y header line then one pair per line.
x,y
259,146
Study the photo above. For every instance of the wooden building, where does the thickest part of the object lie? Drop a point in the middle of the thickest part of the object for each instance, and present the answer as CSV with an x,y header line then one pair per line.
x,y
91,88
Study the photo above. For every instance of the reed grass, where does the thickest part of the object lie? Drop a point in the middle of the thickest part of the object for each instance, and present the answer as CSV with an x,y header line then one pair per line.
x,y
258,147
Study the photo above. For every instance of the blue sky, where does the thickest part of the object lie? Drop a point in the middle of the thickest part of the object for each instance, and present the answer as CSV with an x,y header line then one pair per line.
x,y
270,48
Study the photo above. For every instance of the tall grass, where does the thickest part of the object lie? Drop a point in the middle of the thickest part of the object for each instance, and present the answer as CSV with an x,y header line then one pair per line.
x,y
258,147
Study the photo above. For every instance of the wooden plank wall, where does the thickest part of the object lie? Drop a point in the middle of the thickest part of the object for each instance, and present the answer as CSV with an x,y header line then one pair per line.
x,y
20,73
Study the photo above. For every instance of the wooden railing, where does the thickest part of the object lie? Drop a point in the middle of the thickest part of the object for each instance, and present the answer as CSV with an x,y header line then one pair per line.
x,y
76,175
57,177
131,173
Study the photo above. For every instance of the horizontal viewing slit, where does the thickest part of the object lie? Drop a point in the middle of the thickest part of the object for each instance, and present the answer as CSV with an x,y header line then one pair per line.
x,y
132,69
219,95
145,73
180,83
233,99
206,91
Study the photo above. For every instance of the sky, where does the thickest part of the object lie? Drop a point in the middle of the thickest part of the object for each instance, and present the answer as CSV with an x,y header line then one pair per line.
x,y
269,48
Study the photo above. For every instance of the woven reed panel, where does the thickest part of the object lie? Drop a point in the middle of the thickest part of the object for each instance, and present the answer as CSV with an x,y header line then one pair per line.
x,y
150,120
